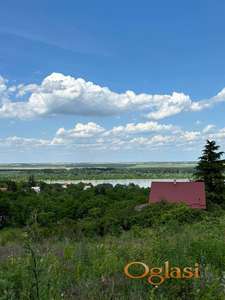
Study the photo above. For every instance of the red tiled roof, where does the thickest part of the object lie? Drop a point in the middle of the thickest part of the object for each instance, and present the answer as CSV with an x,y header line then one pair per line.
x,y
191,193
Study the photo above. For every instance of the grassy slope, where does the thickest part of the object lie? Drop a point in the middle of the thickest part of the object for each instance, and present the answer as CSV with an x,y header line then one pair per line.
x,y
71,268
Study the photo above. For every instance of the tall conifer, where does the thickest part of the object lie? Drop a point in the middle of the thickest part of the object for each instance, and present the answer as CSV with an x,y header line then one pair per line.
x,y
211,169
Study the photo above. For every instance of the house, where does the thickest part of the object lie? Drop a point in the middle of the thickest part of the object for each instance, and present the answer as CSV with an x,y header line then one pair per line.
x,y
3,189
191,193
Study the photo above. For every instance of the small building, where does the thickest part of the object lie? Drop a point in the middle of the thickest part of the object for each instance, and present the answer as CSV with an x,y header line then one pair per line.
x,y
37,189
191,193
87,187
3,189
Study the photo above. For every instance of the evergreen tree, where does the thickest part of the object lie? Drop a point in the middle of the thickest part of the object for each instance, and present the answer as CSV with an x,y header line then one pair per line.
x,y
211,169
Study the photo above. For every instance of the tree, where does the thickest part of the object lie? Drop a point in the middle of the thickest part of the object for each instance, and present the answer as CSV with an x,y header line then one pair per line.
x,y
11,185
211,169
4,211
31,181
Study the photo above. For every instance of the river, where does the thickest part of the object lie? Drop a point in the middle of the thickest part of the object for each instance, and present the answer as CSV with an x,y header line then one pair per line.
x,y
141,182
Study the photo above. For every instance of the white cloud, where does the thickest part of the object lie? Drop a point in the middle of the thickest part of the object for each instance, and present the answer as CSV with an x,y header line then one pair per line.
x,y
3,90
209,128
93,136
156,140
24,89
166,105
132,128
191,135
127,136
60,94
219,135
80,131
3,86
16,141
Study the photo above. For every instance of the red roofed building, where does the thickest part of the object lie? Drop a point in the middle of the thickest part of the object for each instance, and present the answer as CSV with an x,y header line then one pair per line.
x,y
191,193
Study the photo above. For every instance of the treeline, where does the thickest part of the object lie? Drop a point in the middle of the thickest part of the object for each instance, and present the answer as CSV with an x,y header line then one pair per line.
x,y
93,211
99,173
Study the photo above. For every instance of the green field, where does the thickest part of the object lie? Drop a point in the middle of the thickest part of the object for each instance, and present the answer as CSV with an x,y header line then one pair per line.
x,y
148,170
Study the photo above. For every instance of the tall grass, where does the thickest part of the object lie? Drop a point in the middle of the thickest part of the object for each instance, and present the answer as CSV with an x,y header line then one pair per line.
x,y
70,268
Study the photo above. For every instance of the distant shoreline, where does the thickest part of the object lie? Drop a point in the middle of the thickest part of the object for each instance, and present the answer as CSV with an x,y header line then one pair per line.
x,y
69,166
78,172
141,182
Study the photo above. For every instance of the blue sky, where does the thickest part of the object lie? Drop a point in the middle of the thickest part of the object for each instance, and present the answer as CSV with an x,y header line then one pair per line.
x,y
66,68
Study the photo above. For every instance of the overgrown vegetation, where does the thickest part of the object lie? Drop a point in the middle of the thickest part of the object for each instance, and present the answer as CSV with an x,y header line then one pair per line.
x,y
95,211
68,266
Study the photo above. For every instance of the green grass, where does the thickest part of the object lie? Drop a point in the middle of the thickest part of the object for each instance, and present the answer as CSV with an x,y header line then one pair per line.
x,y
67,267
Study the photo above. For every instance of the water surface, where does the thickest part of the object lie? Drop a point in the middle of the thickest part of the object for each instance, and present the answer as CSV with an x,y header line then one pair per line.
x,y
141,182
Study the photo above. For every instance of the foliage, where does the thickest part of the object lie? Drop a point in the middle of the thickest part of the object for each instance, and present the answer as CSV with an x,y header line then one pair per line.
x,y
92,268
96,211
211,170
120,171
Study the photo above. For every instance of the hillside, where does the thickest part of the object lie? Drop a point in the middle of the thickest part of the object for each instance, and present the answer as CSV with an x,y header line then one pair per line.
x,y
75,243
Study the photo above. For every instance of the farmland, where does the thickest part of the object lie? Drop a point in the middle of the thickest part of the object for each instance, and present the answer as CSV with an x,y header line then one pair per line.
x,y
84,171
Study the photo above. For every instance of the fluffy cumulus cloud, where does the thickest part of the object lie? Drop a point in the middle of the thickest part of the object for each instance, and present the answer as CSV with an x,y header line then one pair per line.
x,y
92,136
191,135
60,94
134,135
132,128
80,131
169,105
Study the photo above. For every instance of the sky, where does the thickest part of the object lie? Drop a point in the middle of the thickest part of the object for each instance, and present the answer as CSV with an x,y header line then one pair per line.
x,y
111,81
